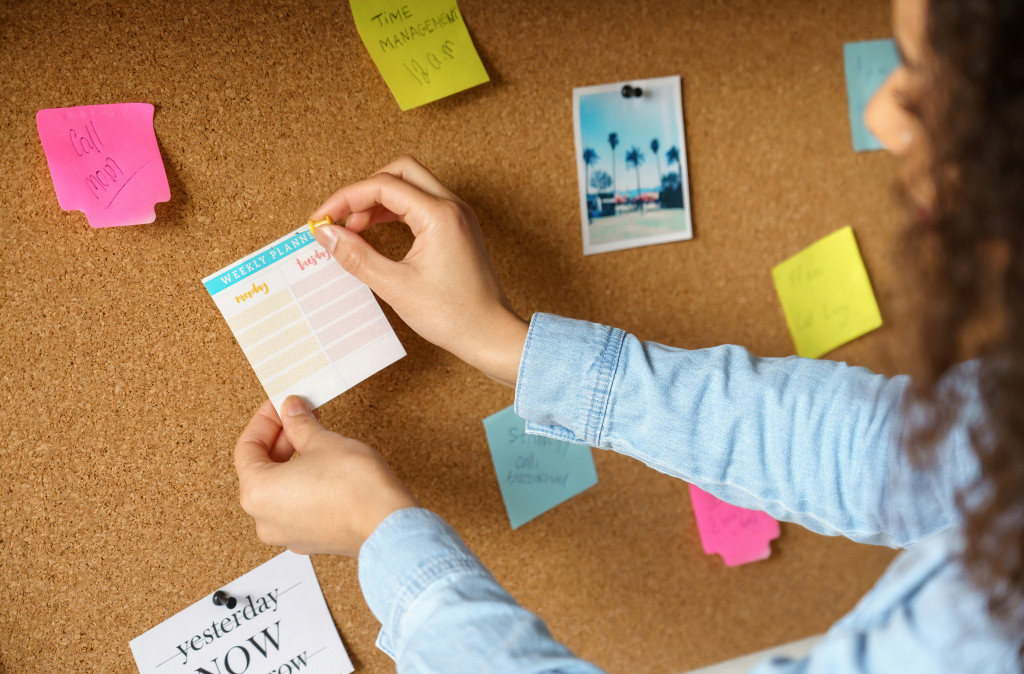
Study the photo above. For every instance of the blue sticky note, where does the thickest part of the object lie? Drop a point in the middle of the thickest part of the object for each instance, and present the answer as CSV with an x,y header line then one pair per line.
x,y
868,65
535,473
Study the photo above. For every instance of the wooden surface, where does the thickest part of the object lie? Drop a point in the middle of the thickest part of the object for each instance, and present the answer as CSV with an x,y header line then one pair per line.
x,y
123,390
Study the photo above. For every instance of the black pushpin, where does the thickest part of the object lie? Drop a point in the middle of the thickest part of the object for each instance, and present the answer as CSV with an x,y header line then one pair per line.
x,y
222,598
631,92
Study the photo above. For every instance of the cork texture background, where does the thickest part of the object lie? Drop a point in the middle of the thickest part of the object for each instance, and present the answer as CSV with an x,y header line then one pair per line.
x,y
123,390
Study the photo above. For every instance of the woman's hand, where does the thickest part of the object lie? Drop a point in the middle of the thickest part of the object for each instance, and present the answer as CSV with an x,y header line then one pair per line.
x,y
445,288
309,489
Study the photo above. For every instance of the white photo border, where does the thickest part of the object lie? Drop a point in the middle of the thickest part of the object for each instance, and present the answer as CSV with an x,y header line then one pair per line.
x,y
673,84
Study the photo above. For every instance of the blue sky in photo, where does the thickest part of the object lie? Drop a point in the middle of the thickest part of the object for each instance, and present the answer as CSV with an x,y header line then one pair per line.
x,y
636,121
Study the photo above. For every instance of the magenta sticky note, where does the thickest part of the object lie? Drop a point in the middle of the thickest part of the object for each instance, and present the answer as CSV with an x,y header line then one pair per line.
x,y
105,162
737,534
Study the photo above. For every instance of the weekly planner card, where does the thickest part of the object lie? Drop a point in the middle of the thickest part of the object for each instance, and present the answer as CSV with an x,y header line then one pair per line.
x,y
104,161
278,622
826,294
535,473
308,327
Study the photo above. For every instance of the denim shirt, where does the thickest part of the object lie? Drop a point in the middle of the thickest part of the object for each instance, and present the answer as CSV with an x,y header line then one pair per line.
x,y
814,442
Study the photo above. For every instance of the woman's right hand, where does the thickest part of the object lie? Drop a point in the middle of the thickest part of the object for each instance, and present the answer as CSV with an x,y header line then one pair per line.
x,y
445,288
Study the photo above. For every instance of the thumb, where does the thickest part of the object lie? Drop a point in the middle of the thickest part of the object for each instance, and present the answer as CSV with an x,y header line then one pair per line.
x,y
301,427
357,257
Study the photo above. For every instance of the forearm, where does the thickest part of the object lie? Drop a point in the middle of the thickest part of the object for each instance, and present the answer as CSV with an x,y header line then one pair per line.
x,y
442,611
808,441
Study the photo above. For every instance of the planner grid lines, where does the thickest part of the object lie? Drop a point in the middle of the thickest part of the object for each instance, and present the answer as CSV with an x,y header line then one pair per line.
x,y
306,326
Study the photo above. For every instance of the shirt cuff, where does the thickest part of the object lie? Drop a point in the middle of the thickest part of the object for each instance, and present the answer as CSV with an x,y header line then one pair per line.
x,y
408,553
565,377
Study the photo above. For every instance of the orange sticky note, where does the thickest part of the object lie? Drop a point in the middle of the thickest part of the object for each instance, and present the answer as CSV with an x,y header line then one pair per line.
x,y
105,161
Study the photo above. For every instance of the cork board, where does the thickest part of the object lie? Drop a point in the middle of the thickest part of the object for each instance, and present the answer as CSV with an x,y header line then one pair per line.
x,y
123,390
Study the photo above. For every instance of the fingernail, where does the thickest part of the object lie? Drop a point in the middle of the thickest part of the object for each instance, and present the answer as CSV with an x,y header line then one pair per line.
x,y
327,236
294,406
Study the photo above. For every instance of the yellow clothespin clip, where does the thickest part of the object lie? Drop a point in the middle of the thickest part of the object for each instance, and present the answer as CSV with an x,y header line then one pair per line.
x,y
313,225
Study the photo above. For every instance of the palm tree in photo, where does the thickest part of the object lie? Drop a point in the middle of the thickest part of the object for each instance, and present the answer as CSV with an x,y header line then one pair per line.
x,y
613,140
655,145
589,159
674,196
673,158
634,158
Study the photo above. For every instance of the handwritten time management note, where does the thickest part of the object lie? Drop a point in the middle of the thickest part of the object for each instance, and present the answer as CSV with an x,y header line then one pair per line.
x,y
105,161
421,47
279,624
308,327
826,295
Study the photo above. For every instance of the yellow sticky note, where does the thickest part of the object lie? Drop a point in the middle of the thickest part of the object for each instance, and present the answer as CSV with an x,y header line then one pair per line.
x,y
421,47
826,295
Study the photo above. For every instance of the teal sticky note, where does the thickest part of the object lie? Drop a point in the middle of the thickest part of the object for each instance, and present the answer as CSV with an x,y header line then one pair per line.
x,y
535,473
868,65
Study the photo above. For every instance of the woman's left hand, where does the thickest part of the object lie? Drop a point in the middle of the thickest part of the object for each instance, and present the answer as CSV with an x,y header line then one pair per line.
x,y
309,489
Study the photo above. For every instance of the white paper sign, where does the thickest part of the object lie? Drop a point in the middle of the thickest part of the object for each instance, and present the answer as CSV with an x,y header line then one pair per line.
x,y
308,327
280,625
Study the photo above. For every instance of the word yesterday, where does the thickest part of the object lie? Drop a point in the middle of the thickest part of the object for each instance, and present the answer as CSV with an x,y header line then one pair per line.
x,y
218,629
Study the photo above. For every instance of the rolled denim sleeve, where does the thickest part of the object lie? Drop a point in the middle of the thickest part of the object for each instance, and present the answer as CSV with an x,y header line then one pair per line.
x,y
814,442
441,610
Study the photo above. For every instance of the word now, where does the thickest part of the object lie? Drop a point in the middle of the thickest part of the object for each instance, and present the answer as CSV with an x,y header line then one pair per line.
x,y
237,658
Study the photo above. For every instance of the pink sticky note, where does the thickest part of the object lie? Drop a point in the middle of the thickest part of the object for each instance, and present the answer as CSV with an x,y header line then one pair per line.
x,y
737,534
105,162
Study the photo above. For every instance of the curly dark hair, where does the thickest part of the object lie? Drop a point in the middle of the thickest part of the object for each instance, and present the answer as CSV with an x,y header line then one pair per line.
x,y
971,249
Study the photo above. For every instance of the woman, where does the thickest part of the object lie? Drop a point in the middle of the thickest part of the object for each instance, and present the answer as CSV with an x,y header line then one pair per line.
x,y
814,442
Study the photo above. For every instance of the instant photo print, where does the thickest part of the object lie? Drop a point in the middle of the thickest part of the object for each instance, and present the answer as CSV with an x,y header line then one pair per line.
x,y
631,164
